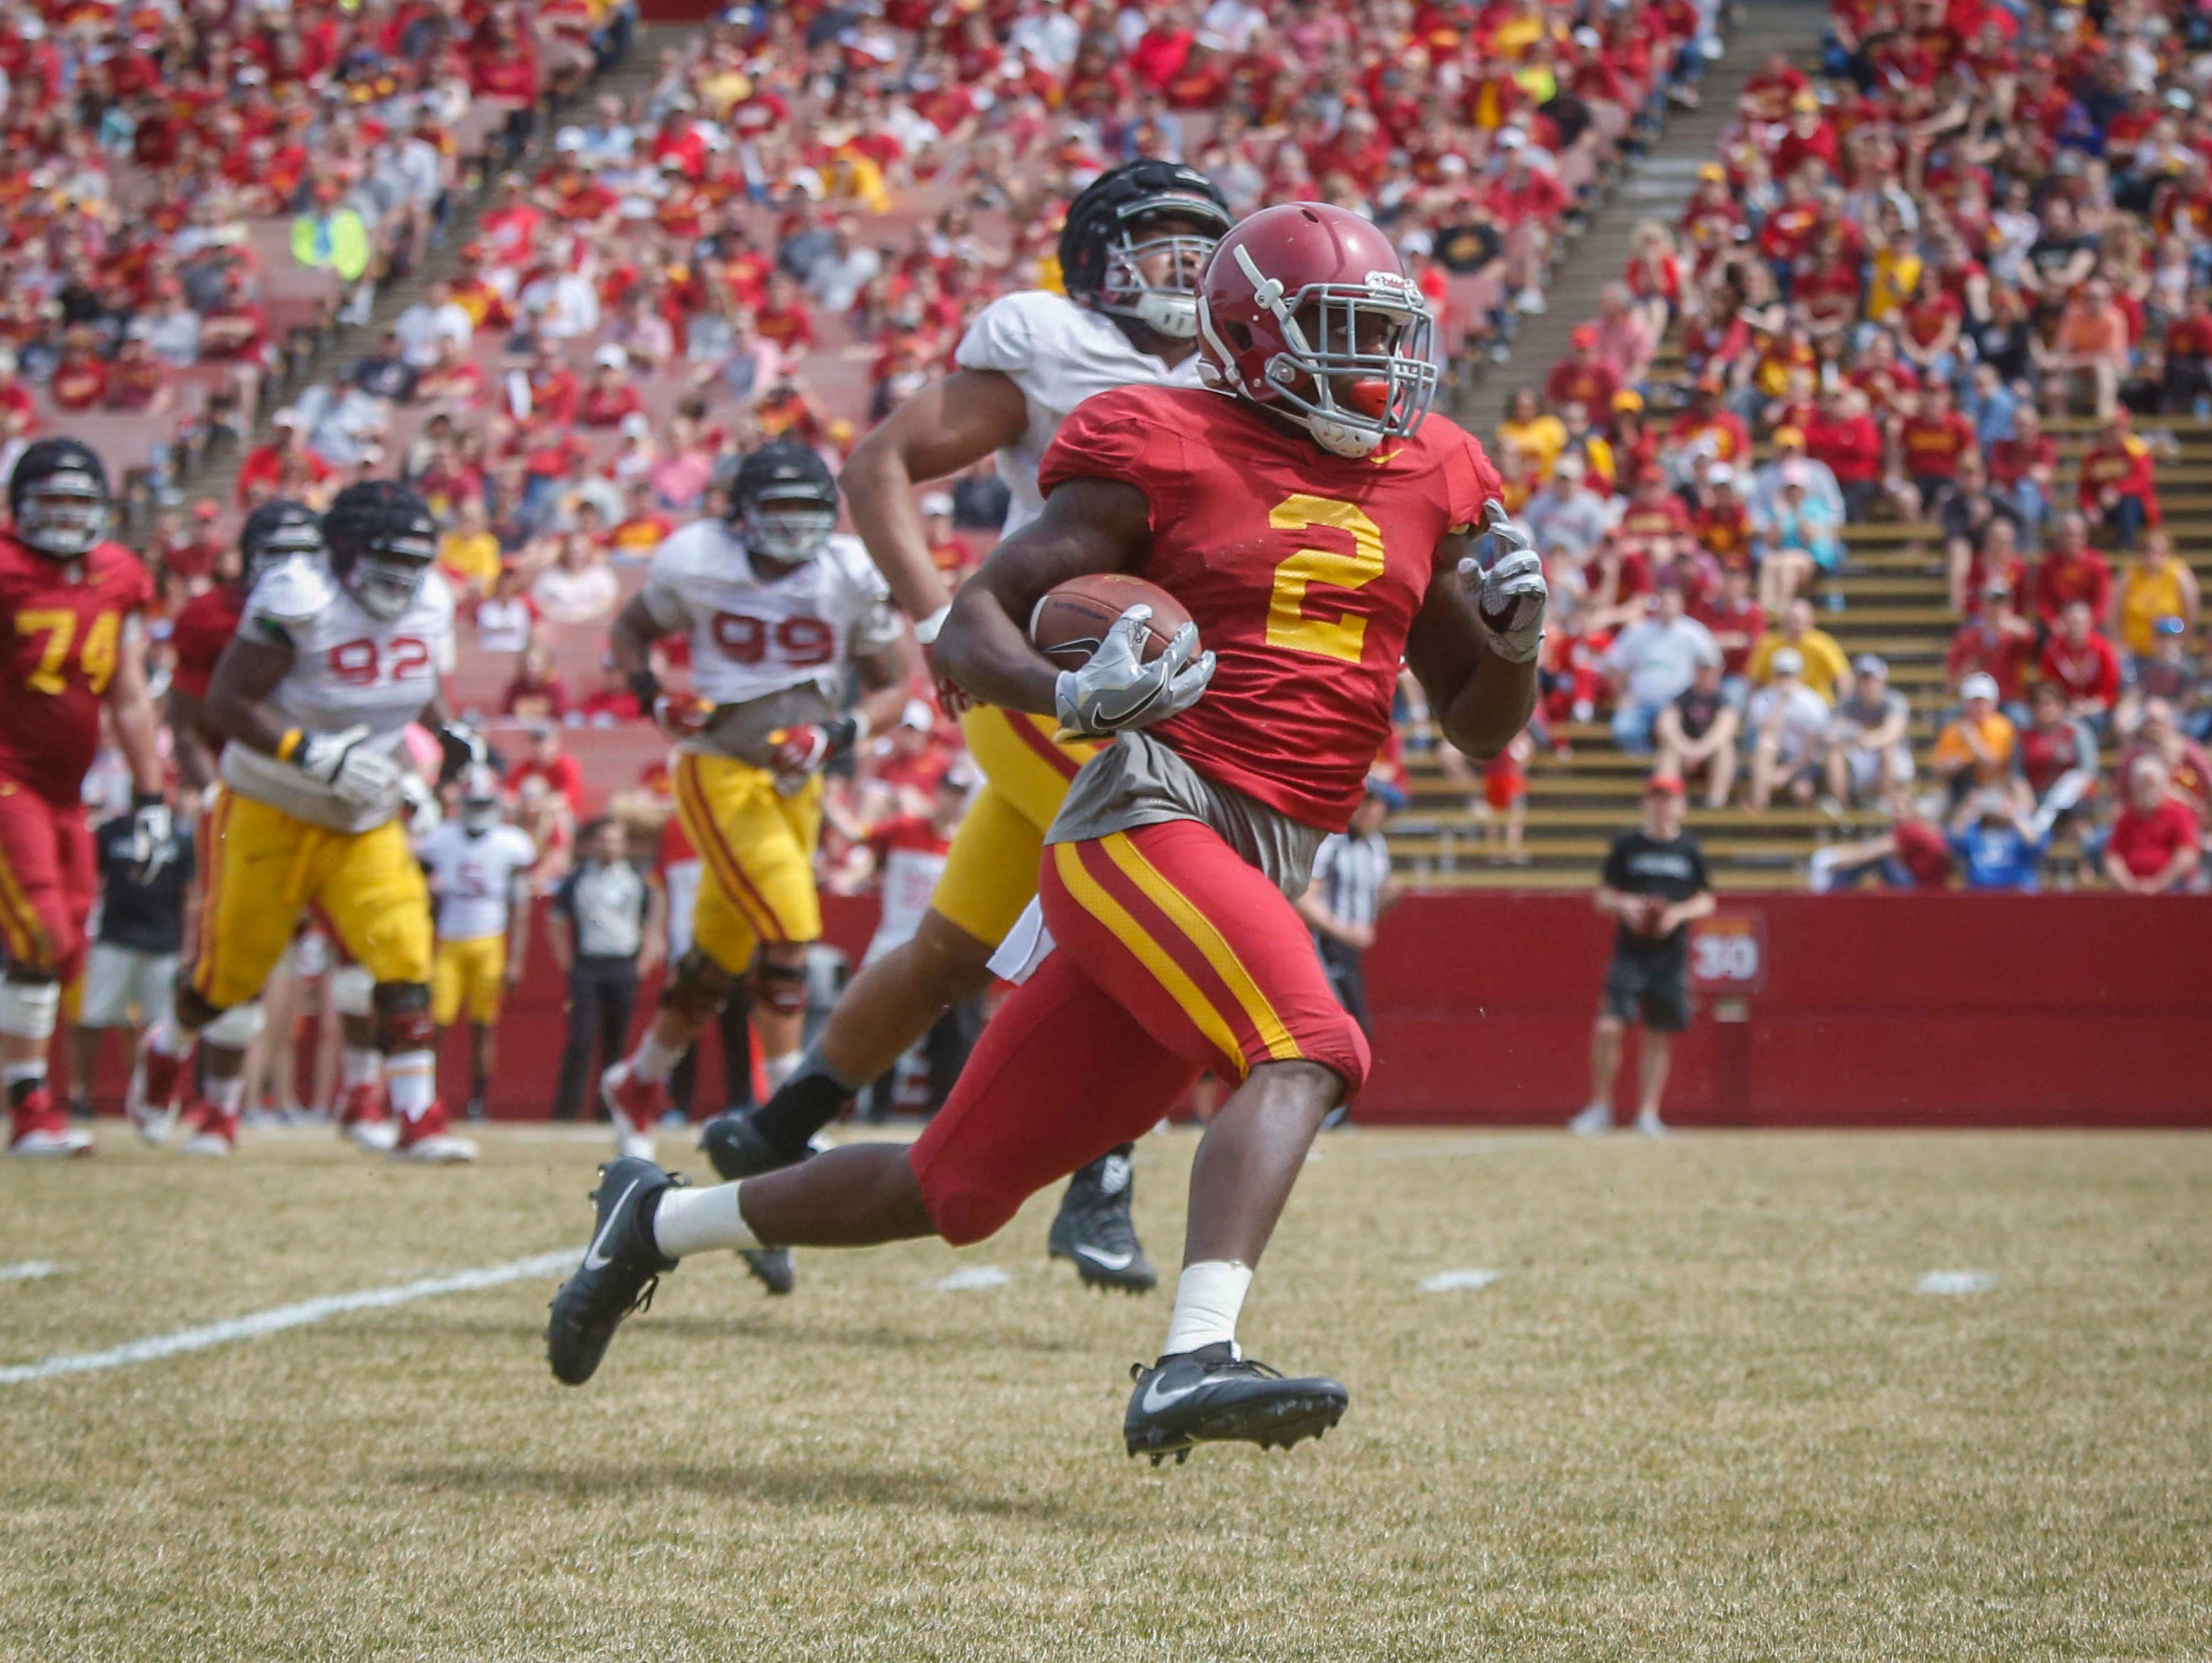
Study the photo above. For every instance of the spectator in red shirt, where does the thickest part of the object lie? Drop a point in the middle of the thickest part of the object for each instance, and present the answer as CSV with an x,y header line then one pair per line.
x,y
2024,470
1844,434
560,772
1934,439
287,456
2071,571
609,397
2153,848
80,378
784,318
2189,356
1998,643
2081,664
1737,622
2118,488
536,694
1581,378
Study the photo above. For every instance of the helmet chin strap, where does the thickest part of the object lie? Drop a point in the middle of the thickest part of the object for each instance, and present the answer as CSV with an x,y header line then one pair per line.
x,y
1342,439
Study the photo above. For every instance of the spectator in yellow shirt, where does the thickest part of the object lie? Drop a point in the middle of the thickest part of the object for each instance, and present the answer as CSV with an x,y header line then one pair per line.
x,y
1975,746
1827,668
468,554
1539,435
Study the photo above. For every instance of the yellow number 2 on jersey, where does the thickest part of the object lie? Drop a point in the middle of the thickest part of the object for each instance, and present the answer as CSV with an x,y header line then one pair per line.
x,y
1288,626
59,626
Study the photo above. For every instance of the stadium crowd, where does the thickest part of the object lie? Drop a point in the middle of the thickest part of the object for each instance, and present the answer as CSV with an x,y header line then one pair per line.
x,y
1978,218
1975,218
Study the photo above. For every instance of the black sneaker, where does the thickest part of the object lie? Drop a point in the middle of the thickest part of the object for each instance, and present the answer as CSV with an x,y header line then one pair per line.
x,y
737,1148
1213,1396
618,1273
1093,1230
773,1268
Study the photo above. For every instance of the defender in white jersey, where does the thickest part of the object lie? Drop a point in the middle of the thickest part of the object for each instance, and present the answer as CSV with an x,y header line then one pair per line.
x,y
779,610
1134,243
334,659
479,868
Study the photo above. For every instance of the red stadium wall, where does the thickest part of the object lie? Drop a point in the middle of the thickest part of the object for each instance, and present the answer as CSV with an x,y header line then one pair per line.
x,y
1952,1010
1848,1011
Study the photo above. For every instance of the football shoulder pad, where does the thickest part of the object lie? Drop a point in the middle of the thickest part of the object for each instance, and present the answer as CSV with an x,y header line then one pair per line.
x,y
292,593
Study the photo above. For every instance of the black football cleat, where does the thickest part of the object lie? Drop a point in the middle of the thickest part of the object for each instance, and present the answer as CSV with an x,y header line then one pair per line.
x,y
737,1148
619,1270
1213,1396
773,1268
1093,1230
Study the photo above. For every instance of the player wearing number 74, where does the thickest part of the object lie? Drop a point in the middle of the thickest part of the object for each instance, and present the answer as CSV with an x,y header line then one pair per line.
x,y
1320,533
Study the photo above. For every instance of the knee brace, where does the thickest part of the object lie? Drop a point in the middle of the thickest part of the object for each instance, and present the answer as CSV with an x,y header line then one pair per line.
x,y
353,991
403,1017
236,1028
782,987
30,1004
700,987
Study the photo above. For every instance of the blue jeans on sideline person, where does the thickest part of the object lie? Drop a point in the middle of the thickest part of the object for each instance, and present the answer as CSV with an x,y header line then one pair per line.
x,y
1631,725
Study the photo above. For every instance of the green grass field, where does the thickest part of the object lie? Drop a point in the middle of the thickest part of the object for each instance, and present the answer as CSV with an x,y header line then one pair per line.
x,y
1702,1413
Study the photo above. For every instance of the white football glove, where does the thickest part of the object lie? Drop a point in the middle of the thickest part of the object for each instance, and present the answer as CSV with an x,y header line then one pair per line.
x,y
419,805
152,829
361,778
1510,596
1115,690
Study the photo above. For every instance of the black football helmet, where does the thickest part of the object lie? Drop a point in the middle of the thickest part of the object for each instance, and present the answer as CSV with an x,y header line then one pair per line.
x,y
274,531
783,501
380,541
58,498
1118,220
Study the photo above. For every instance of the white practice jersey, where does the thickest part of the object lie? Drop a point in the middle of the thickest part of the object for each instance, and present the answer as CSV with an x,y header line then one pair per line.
x,y
349,670
1058,354
752,637
475,874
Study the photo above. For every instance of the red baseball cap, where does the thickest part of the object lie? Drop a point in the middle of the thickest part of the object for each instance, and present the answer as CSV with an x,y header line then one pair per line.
x,y
1664,785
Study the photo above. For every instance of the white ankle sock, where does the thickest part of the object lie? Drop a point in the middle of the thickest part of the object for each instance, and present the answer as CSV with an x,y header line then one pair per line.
x,y
359,1066
1208,1297
777,1070
700,1220
411,1077
224,1096
653,1060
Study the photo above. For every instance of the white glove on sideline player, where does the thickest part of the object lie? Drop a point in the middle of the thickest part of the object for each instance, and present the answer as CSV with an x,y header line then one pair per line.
x,y
1115,690
1510,596
361,778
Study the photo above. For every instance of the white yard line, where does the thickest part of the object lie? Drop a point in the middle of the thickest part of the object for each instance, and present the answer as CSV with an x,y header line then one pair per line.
x,y
31,1270
279,1317
972,1278
1445,1282
1958,1282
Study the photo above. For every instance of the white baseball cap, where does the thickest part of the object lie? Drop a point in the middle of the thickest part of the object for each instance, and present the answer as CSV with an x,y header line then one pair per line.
x,y
1787,661
1979,685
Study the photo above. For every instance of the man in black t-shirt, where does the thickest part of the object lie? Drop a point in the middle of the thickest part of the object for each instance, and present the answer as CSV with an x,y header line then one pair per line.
x,y
1654,884
133,961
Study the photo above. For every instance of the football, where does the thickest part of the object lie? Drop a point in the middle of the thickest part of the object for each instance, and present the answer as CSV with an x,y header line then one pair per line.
x,y
1072,619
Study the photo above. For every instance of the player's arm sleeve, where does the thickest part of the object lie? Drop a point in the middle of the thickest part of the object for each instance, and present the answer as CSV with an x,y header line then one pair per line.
x,y
1002,339
1119,436
663,593
1472,480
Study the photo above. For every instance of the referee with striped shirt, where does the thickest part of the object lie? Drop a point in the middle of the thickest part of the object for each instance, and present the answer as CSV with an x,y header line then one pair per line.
x,y
1351,887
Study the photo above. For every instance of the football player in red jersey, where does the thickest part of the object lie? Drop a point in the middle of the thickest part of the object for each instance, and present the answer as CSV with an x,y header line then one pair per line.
x,y
68,593
1319,531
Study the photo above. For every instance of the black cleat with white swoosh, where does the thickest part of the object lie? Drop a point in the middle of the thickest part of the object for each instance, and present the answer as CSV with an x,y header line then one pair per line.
x,y
1093,1230
1213,1395
618,1273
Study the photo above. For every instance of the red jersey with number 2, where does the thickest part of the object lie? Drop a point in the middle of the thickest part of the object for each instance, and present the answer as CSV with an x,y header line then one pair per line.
x,y
1303,570
61,633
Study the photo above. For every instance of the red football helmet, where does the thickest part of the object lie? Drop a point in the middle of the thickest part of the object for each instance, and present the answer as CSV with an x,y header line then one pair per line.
x,y
1306,308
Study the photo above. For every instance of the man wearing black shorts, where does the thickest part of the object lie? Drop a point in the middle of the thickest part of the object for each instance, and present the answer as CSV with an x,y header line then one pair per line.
x,y
1654,884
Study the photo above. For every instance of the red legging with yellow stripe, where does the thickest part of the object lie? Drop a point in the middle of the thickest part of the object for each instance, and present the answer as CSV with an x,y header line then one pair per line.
x,y
1171,956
